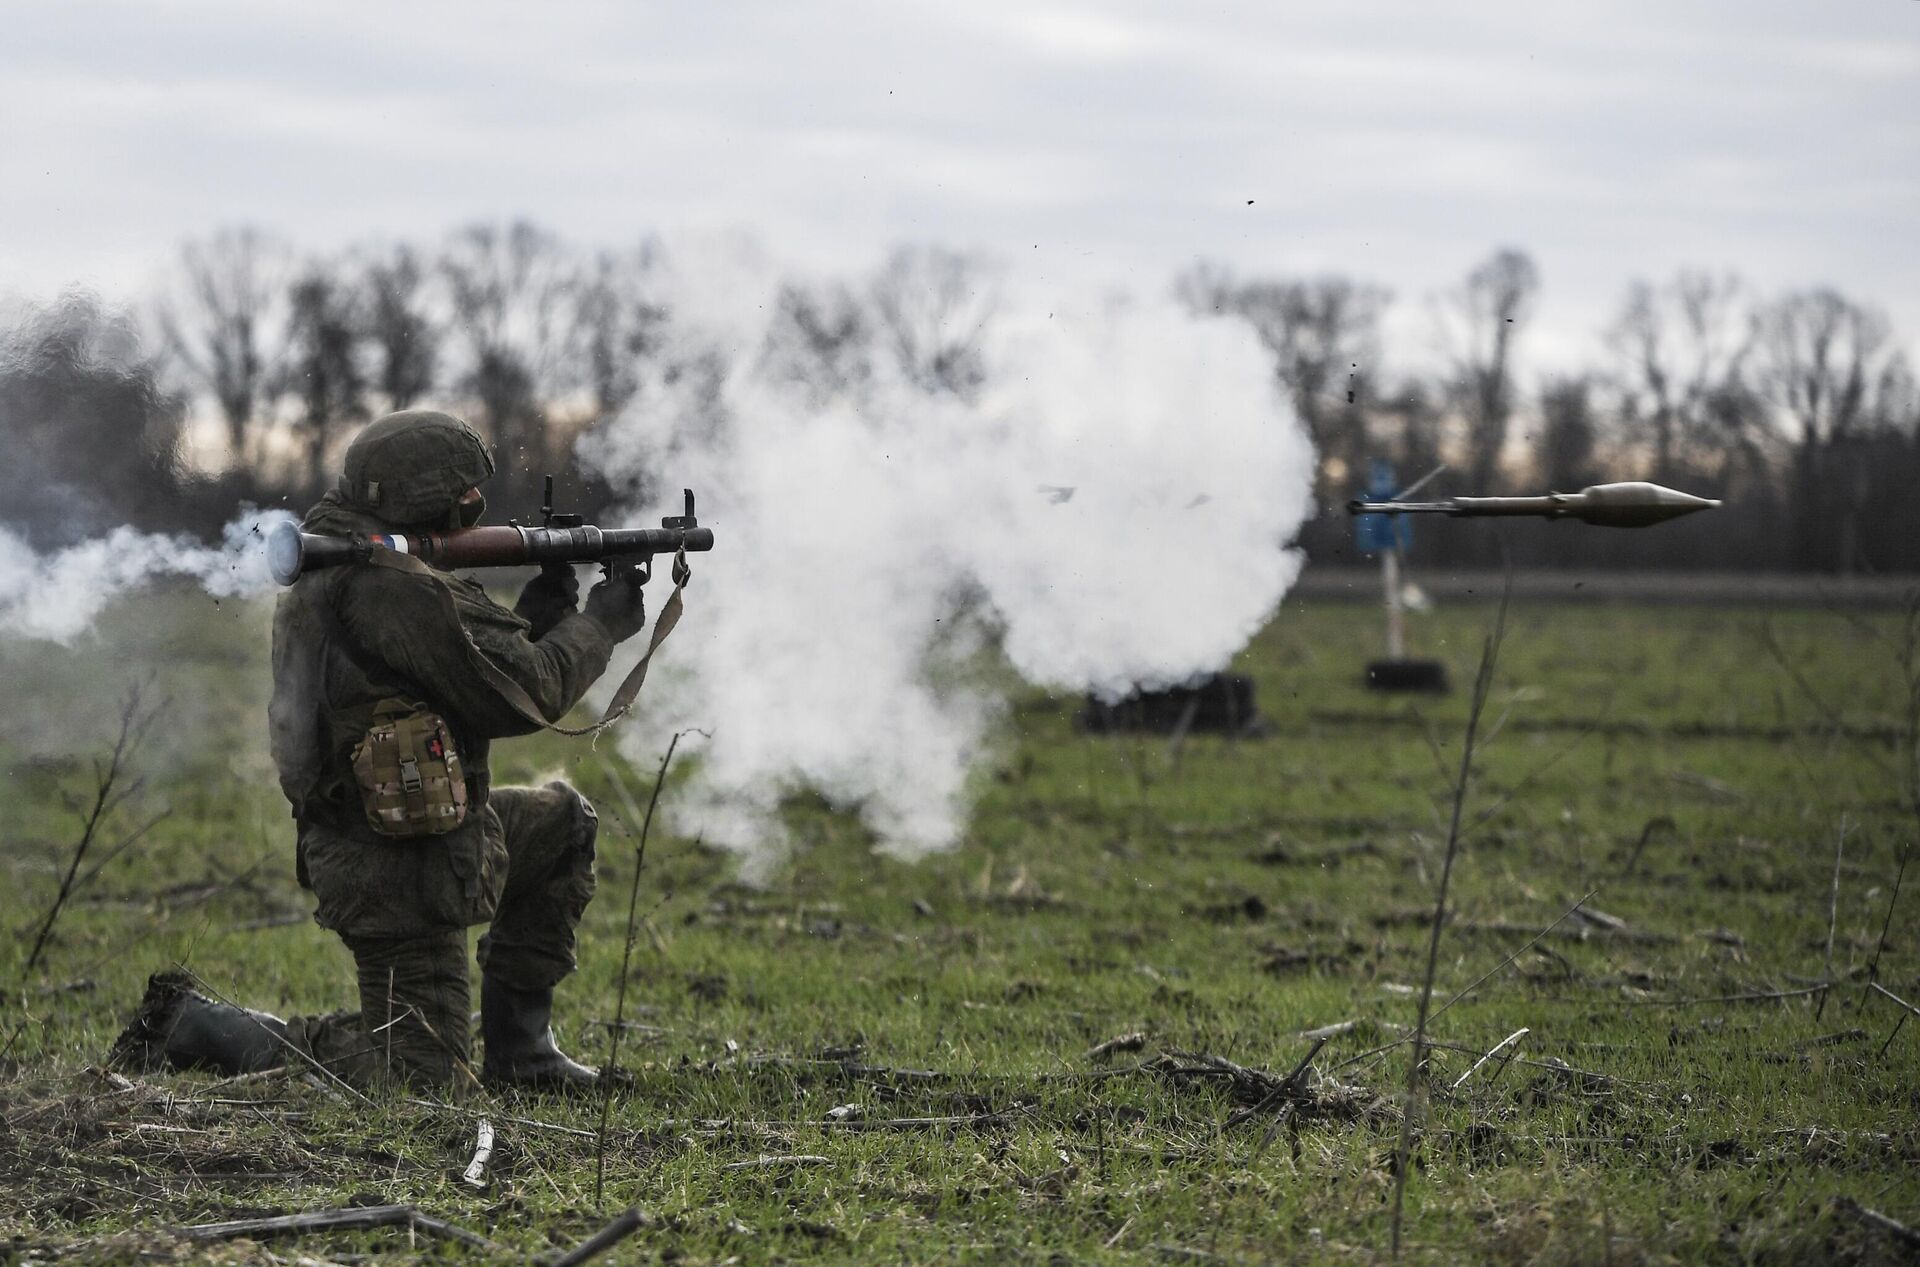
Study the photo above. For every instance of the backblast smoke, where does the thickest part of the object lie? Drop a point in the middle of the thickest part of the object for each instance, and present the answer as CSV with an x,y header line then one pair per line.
x,y
57,595
1104,496
916,486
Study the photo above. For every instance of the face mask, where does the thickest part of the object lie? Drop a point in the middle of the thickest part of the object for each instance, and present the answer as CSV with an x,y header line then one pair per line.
x,y
470,512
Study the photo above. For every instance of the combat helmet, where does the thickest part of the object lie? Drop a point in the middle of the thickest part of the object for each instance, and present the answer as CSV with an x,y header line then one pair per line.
x,y
411,467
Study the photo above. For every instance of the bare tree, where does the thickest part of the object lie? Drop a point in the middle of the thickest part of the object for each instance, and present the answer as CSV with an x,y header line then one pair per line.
x,y
92,438
322,371
223,325
508,288
398,329
1411,415
1324,335
1569,433
619,325
1830,368
1826,362
820,340
1682,350
931,307
1489,313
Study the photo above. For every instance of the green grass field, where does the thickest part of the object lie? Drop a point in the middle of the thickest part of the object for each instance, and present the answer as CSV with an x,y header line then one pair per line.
x,y
1216,904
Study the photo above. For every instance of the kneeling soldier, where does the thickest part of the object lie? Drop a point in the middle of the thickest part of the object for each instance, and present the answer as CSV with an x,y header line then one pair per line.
x,y
381,725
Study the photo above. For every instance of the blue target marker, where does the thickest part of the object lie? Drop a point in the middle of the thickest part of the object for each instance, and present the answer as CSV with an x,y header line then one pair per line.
x,y
1373,534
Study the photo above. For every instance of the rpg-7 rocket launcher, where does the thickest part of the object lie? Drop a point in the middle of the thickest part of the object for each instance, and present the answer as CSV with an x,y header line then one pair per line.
x,y
560,539
1627,505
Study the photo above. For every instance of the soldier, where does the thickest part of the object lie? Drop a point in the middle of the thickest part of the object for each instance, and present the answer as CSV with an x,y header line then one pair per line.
x,y
387,694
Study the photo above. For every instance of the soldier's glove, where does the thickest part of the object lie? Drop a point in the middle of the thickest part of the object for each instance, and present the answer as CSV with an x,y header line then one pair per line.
x,y
548,598
619,605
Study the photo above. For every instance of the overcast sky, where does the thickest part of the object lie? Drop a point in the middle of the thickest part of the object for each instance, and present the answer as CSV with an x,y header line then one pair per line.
x,y
1115,143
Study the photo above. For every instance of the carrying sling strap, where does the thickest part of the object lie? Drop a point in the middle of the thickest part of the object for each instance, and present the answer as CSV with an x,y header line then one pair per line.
x,y
511,691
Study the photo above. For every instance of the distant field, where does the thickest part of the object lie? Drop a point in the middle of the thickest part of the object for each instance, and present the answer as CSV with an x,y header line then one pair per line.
x,y
1586,585
914,1039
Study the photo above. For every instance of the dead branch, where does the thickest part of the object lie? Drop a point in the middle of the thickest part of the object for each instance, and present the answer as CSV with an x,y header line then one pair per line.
x,y
1833,914
632,1027
1482,979
1552,1064
534,1122
1517,1034
1834,1039
108,795
350,1220
916,1123
1873,1218
605,1239
767,1162
475,1175
626,951
1501,966
1588,932
724,1125
1873,965
1757,996
1120,1042
854,1068
1482,685
1875,985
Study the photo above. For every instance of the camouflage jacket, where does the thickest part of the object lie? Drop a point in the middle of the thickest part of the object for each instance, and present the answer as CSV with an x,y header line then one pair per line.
x,y
346,638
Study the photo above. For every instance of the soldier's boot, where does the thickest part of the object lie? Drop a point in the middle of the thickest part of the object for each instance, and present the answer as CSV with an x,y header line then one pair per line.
x,y
516,1027
177,1027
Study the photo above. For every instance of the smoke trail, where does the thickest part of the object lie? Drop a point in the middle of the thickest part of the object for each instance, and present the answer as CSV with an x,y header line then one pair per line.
x,y
1106,498
58,595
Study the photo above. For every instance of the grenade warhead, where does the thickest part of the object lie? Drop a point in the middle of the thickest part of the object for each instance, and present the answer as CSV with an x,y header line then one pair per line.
x,y
1633,504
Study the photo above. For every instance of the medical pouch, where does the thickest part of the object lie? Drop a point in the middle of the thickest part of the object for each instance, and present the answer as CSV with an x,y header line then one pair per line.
x,y
408,772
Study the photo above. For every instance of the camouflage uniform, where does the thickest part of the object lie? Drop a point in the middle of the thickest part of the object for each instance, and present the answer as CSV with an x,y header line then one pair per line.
x,y
345,639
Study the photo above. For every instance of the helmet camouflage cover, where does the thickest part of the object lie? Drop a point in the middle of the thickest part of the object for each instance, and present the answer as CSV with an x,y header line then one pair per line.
x,y
411,467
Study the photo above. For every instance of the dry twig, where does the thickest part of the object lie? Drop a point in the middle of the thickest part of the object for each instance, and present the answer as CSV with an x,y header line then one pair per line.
x,y
1482,685
1873,965
108,796
1517,1034
1120,1042
605,1239
351,1220
1833,914
1757,996
768,1162
626,952
475,1175
1911,1010
1896,998
1873,1218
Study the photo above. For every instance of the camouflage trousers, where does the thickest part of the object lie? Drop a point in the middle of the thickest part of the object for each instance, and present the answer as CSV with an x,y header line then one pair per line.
x,y
523,865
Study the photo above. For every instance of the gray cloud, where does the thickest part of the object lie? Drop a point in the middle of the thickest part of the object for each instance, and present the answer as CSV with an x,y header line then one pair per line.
x,y
1398,141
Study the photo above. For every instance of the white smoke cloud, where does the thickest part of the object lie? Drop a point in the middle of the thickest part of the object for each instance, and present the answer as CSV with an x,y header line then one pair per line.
x,y
1111,507
57,596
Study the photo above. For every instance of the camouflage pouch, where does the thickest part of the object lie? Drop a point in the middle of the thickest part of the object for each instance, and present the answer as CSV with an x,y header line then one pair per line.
x,y
408,772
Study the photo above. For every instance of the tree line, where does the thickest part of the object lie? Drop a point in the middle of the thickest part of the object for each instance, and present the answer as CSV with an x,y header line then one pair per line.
x,y
1799,409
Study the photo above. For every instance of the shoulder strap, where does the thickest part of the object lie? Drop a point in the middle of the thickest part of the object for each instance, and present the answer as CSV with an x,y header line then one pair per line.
x,y
511,691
